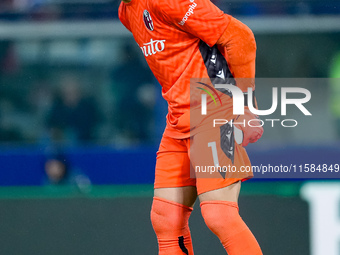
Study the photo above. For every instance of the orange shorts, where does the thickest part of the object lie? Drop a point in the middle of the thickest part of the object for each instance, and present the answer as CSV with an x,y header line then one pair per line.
x,y
201,161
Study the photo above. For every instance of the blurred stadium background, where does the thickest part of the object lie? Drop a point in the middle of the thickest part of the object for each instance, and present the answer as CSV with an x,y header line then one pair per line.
x,y
76,94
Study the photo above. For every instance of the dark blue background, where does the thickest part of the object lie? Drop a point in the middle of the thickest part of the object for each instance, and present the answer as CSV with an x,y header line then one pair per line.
x,y
106,165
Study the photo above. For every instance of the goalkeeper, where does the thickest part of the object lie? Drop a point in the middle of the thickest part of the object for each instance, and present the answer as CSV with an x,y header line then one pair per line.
x,y
182,40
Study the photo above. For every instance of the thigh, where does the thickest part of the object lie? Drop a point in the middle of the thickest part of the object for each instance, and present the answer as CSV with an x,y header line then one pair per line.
x,y
183,195
172,173
218,162
229,193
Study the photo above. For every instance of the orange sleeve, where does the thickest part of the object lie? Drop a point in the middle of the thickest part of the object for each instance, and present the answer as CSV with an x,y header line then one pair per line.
x,y
239,41
201,18
240,45
122,15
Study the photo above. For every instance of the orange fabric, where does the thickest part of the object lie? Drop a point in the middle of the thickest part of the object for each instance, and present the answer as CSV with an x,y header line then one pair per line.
x,y
172,53
232,159
173,164
178,58
170,222
176,163
224,221
239,47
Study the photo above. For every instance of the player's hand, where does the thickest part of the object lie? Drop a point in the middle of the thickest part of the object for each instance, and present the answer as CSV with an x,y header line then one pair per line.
x,y
250,133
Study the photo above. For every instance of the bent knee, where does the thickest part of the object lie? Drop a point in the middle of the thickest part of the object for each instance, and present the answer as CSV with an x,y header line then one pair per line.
x,y
167,216
222,218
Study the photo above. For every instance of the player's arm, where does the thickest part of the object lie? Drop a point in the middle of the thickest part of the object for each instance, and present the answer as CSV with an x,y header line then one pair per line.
x,y
204,20
239,43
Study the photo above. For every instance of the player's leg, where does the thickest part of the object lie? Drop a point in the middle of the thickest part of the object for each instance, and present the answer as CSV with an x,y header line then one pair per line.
x,y
170,213
219,191
174,196
221,214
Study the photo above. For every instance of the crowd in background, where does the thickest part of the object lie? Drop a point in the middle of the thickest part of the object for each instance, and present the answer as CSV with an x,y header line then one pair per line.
x,y
44,104
42,10
107,9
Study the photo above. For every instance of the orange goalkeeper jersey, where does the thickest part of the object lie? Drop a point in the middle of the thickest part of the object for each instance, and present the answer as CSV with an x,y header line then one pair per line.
x,y
177,40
